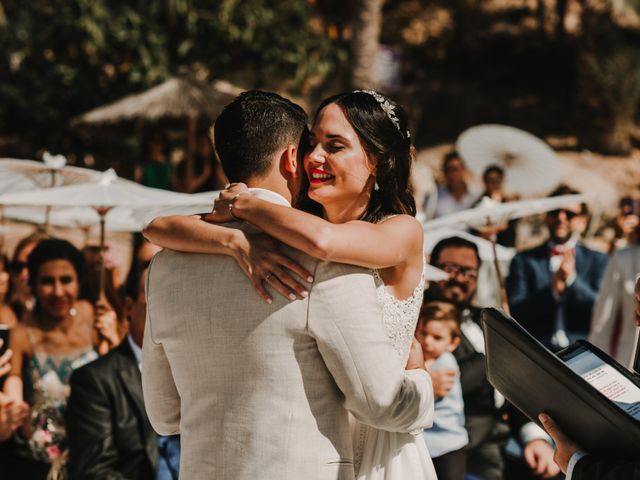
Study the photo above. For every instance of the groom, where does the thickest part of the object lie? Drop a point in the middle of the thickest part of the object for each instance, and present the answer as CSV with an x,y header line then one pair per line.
x,y
262,390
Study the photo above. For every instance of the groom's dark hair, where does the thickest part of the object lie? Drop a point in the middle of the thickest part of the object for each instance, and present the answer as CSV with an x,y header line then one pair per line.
x,y
253,127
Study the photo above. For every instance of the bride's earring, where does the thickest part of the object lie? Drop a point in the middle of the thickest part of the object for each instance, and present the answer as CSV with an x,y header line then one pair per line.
x,y
376,187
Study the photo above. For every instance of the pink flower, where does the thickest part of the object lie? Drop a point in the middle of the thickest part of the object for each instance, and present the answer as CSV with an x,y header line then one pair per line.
x,y
53,451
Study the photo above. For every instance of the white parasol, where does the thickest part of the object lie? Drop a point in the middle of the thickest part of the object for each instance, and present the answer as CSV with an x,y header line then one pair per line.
x,y
489,213
19,175
530,165
102,196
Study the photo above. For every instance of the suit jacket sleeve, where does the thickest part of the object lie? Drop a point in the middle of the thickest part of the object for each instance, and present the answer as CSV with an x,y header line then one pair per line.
x,y
92,453
583,292
161,398
345,320
521,295
597,468
607,306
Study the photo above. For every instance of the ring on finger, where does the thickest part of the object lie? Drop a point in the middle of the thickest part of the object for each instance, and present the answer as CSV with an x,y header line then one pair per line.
x,y
268,276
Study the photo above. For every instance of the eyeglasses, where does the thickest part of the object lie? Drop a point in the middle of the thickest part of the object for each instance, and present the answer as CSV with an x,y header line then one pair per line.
x,y
17,266
454,269
568,213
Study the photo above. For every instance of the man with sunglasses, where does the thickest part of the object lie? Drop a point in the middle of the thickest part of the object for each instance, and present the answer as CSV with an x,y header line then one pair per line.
x,y
552,288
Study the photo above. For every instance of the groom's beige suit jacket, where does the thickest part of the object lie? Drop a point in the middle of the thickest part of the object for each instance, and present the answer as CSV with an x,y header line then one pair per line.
x,y
261,391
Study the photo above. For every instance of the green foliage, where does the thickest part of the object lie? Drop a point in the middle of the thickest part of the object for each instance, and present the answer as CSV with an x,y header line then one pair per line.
x,y
59,58
618,75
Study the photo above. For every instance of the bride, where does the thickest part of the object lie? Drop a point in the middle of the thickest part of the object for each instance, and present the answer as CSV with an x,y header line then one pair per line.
x,y
358,210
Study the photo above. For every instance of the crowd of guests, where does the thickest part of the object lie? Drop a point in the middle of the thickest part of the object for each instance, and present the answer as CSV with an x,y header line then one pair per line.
x,y
560,291
71,404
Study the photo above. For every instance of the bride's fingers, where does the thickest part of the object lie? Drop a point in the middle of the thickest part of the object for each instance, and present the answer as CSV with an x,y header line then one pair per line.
x,y
259,286
287,280
274,282
299,270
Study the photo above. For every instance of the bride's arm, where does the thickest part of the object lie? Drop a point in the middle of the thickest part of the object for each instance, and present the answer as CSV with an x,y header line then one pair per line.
x,y
386,244
190,234
257,254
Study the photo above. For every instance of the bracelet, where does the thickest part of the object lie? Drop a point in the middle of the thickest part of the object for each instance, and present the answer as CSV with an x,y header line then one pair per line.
x,y
231,203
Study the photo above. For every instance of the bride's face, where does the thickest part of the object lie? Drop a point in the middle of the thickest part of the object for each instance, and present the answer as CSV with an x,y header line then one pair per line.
x,y
336,163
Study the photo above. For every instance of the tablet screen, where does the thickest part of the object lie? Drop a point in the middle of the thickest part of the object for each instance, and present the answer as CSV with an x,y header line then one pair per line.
x,y
606,379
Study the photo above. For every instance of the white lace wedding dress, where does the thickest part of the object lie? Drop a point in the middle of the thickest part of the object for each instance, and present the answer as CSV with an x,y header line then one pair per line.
x,y
381,455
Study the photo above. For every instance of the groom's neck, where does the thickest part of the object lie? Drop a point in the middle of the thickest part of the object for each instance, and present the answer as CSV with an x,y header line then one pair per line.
x,y
277,185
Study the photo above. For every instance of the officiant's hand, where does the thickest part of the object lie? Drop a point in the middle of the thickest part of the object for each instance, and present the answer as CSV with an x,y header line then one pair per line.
x,y
263,262
565,447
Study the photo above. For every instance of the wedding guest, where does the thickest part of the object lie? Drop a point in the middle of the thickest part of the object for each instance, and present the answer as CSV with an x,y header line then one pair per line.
x,y
57,337
438,332
483,408
613,327
155,169
201,171
20,299
626,224
493,179
456,194
552,288
109,433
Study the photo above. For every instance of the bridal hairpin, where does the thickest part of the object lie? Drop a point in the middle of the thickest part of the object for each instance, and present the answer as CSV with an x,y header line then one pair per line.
x,y
386,106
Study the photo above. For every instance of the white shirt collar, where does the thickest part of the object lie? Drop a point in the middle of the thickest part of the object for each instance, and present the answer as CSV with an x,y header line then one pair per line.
x,y
270,196
137,351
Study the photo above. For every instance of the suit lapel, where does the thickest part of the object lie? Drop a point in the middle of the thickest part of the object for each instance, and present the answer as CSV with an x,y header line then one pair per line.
x,y
129,374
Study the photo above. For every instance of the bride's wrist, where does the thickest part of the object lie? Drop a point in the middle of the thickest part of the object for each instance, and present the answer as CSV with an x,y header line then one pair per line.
x,y
239,204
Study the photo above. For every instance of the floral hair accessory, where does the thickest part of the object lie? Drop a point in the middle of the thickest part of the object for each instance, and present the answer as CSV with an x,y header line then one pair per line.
x,y
387,106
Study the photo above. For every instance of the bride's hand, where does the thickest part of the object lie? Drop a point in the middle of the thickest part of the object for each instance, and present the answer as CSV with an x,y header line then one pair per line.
x,y
264,264
416,358
221,212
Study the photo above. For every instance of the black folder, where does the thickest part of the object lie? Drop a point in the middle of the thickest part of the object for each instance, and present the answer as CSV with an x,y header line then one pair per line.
x,y
535,380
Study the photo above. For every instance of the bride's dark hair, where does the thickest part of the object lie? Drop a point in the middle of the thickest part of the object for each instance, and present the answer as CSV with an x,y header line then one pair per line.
x,y
387,143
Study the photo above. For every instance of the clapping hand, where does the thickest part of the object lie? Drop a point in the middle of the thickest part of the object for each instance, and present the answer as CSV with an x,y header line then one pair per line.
x,y
565,272
223,205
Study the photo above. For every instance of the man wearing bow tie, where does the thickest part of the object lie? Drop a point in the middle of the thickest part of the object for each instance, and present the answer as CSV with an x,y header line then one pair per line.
x,y
552,288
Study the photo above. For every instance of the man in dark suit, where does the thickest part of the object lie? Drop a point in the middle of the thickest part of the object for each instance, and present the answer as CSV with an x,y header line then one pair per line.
x,y
483,413
109,434
552,288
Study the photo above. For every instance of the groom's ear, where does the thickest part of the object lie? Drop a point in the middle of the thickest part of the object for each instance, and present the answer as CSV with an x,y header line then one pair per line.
x,y
289,160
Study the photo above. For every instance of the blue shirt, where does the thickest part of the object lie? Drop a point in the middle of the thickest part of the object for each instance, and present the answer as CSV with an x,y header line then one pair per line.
x,y
448,433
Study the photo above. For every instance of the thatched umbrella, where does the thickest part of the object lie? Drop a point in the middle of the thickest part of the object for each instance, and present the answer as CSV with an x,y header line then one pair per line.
x,y
178,98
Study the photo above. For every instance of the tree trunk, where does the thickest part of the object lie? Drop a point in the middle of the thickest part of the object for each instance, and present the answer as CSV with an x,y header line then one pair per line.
x,y
365,40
